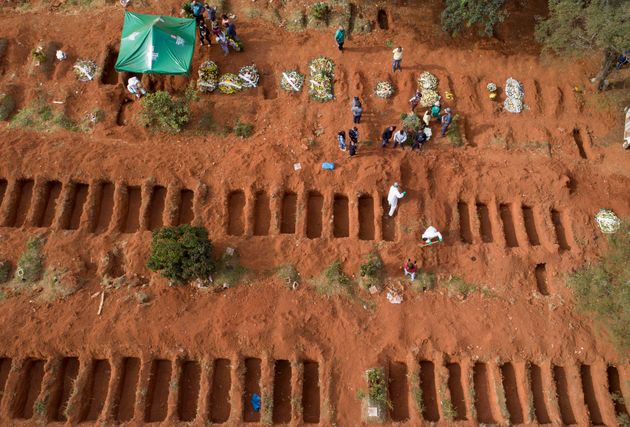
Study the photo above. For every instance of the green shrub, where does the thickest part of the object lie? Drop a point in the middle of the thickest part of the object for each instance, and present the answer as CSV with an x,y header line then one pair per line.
x,y
485,14
333,281
602,289
424,281
30,265
38,54
187,10
5,270
243,130
181,253
411,122
288,274
7,105
36,115
320,11
162,112
377,387
457,286
454,132
371,271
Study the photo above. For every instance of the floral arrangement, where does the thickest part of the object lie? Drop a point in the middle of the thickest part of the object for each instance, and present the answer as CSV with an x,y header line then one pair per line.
x,y
384,89
85,70
229,83
249,76
491,87
322,65
292,81
429,97
208,76
427,81
320,88
513,89
513,105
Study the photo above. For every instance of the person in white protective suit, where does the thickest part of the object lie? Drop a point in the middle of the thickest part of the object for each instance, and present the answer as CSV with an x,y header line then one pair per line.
x,y
393,196
134,86
430,234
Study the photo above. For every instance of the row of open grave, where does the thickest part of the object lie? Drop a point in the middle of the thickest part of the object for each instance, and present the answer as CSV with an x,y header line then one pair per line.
x,y
103,206
220,390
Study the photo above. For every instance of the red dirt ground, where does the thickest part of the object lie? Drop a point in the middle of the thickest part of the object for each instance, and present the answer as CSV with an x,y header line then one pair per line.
x,y
508,161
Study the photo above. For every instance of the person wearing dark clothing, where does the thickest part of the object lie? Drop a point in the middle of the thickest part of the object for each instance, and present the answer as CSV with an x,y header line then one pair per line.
x,y
419,139
212,12
447,118
387,135
352,149
204,34
415,100
357,110
197,11
231,30
353,134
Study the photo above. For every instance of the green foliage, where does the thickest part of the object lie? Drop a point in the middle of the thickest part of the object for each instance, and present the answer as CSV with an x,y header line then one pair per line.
x,y
333,281
267,408
389,44
38,55
454,132
603,291
416,393
288,274
187,10
457,286
320,11
7,105
229,270
371,271
575,26
30,265
411,122
36,115
5,270
377,387
424,281
41,407
243,130
448,409
181,253
162,112
484,14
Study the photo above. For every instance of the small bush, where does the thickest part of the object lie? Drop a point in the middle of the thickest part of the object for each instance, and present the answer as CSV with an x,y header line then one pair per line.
x,y
7,105
371,271
243,130
162,112
377,388
181,253
5,270
485,14
333,281
30,265
602,289
187,11
320,11
229,270
411,122
457,286
38,55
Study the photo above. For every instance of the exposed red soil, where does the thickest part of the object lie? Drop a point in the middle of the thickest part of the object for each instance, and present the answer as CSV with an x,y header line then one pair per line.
x,y
521,193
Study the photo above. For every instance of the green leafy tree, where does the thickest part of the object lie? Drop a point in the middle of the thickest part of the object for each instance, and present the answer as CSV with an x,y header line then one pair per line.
x,y
583,26
181,253
484,14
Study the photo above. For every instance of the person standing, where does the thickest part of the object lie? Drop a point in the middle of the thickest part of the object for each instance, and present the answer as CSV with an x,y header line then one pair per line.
x,y
399,138
397,59
353,134
223,42
341,139
352,149
387,135
393,196
197,11
435,110
357,110
212,12
427,118
415,100
447,118
410,269
204,34
419,139
340,37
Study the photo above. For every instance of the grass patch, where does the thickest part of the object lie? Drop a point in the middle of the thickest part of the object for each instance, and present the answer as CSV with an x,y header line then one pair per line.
x,y
416,392
319,11
454,133
229,271
288,274
459,287
371,271
425,281
266,418
376,394
296,21
333,281
243,130
602,289
448,409
30,266
40,116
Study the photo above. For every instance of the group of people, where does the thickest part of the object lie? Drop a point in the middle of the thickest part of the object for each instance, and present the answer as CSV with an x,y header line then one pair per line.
x,y
224,31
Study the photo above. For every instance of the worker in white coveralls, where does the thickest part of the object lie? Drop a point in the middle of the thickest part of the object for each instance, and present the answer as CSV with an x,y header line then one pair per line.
x,y
135,86
430,234
393,196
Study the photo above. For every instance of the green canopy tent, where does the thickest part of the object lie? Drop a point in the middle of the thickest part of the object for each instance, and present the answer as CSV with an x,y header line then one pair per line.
x,y
156,44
